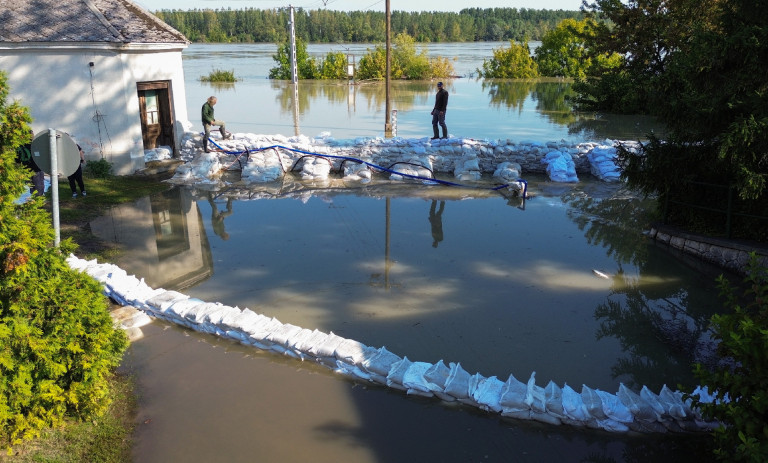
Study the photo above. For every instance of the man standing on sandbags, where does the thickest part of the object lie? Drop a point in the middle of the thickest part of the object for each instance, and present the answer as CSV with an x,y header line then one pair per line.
x,y
209,120
438,112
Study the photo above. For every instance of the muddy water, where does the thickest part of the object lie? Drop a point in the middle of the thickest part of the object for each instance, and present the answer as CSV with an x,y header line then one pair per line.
x,y
464,275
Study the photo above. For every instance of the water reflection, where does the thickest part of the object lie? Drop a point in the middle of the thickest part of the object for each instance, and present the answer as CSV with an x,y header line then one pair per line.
x,y
165,238
662,326
217,216
436,222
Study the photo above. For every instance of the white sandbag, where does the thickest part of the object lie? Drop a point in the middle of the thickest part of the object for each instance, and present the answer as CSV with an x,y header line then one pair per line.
x,y
488,394
297,340
513,396
353,352
180,308
673,403
612,425
553,399
397,373
545,418
473,382
573,406
639,408
381,362
593,403
223,311
315,338
281,335
457,384
653,401
326,348
534,395
437,375
413,379
613,408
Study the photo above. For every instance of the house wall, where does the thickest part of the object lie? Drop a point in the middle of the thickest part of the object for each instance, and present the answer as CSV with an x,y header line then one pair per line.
x,y
97,105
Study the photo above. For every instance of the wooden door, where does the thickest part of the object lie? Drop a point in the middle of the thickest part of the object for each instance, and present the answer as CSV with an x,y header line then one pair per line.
x,y
156,111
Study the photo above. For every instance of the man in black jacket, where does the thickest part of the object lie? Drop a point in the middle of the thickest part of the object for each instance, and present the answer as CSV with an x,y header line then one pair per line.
x,y
438,112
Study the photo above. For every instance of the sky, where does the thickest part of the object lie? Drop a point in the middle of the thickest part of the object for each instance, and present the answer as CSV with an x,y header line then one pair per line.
x,y
360,5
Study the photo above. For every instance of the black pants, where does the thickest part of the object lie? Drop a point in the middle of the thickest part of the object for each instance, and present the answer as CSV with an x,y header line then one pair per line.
x,y
77,177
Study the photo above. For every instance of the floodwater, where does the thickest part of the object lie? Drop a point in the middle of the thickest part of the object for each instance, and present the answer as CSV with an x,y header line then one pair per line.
x,y
483,109
501,285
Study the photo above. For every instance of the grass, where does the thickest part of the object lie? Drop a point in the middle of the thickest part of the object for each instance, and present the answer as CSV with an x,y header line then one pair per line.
x,y
75,214
219,76
108,438
104,440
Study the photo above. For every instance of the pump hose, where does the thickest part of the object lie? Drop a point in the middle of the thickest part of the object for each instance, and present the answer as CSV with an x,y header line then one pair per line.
x,y
360,161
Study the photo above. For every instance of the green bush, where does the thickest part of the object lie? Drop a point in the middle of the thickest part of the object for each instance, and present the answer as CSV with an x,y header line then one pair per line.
x,y
514,62
58,345
406,62
334,66
99,169
219,76
740,384
307,67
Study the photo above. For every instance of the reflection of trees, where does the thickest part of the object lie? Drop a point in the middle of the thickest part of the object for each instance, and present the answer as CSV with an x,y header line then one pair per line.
x,y
659,336
374,93
508,93
659,324
590,125
553,100
612,222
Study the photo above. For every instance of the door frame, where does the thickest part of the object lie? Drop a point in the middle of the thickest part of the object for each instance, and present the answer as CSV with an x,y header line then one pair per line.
x,y
165,107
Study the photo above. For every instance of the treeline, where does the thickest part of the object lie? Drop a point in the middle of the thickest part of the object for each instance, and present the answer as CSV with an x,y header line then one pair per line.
x,y
327,26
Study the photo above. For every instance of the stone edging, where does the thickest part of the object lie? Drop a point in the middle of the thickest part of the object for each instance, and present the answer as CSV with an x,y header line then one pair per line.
x,y
728,254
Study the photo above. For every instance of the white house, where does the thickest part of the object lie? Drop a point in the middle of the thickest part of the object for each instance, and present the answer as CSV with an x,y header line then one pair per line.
x,y
107,72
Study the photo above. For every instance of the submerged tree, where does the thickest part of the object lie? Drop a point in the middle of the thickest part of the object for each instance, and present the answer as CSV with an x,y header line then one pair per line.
x,y
514,62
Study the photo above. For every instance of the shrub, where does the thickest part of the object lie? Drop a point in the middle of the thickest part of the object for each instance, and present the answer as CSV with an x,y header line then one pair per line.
x,y
220,76
741,400
58,345
514,62
99,169
334,66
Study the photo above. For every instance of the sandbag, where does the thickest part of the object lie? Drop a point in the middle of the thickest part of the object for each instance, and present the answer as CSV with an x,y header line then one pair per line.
x,y
593,403
553,399
653,401
613,408
488,394
573,406
534,395
639,408
413,379
673,403
513,396
381,362
457,384
397,373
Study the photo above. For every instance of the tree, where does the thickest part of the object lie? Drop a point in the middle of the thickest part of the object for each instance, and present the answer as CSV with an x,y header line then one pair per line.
x,y
514,62
645,34
334,66
563,50
738,385
307,67
58,345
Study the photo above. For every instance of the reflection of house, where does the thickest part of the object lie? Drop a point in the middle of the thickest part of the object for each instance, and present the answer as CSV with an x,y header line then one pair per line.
x,y
106,71
164,236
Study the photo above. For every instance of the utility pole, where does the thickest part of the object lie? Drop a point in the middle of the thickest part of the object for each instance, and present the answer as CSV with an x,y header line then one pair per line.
x,y
387,110
294,74
294,66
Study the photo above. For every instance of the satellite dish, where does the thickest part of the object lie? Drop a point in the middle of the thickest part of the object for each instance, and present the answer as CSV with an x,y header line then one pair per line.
x,y
67,153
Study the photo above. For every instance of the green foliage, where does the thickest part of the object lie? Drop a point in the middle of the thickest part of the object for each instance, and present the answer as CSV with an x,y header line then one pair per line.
x,y
307,67
219,75
563,50
326,26
57,342
99,169
334,66
514,62
373,65
406,62
739,386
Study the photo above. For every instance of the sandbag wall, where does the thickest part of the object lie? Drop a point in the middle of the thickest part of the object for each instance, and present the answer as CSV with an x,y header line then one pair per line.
x,y
548,402
465,158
